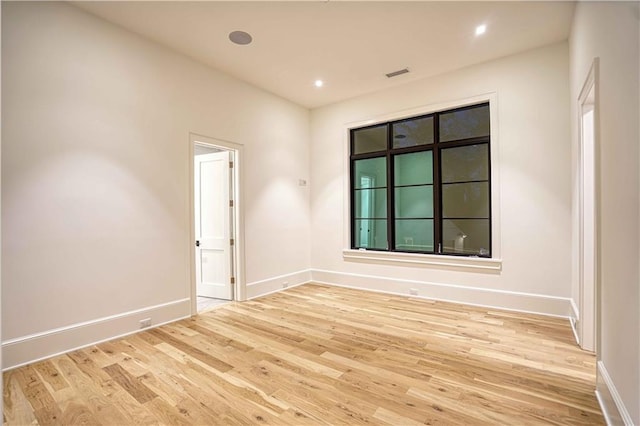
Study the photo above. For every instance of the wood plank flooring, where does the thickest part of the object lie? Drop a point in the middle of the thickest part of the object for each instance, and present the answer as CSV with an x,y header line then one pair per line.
x,y
320,355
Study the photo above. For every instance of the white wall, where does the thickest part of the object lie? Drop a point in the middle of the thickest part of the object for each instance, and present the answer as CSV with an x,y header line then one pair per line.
x,y
535,185
95,185
1,376
609,30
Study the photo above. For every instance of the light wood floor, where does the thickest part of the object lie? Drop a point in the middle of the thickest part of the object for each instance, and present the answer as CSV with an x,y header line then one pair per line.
x,y
320,355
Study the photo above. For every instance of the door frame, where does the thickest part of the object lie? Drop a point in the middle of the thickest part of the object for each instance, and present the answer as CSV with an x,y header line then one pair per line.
x,y
237,225
589,332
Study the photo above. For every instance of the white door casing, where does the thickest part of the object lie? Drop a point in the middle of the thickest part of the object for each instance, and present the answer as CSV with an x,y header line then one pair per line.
x,y
587,207
212,190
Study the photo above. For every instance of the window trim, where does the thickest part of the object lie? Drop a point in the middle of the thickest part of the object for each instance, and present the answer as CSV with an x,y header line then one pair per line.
x,y
494,263
423,259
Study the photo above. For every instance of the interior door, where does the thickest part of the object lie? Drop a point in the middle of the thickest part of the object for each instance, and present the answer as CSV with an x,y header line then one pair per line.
x,y
213,231
587,230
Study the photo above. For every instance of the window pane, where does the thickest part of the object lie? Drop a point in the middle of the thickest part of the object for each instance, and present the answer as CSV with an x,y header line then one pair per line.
x,y
464,124
371,139
371,173
413,169
370,203
414,235
414,132
465,163
466,236
371,233
465,200
414,202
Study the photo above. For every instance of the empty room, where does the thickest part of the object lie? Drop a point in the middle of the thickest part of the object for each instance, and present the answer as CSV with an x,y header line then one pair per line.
x,y
320,212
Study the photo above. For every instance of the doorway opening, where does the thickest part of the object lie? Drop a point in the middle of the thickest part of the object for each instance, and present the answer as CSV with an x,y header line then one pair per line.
x,y
216,250
587,325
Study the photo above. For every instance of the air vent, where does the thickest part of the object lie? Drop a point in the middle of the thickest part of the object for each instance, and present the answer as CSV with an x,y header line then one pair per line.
x,y
397,73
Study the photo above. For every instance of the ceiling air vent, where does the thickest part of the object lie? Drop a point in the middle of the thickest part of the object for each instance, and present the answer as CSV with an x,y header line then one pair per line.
x,y
397,73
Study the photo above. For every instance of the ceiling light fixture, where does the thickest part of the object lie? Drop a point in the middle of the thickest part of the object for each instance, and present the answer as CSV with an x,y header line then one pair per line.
x,y
481,29
240,37
319,83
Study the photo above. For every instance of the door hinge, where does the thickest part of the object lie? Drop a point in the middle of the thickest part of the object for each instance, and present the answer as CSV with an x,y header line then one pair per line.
x,y
230,203
233,280
232,241
231,164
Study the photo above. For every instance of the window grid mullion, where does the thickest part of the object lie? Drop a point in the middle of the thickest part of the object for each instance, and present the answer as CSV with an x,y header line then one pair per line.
x,y
490,198
437,188
352,194
391,199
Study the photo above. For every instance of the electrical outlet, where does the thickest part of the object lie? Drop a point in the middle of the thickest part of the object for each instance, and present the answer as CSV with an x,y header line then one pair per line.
x,y
144,323
413,291
285,284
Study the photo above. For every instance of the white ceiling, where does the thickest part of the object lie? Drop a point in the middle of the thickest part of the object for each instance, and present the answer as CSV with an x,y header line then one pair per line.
x,y
349,45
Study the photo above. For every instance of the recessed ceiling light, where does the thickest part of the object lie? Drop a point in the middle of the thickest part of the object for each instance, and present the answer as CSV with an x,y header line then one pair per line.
x,y
240,37
319,83
481,29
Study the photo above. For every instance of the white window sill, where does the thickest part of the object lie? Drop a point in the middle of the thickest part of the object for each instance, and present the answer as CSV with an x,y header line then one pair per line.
x,y
453,262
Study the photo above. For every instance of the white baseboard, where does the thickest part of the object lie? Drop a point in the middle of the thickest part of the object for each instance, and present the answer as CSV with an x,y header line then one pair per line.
x,y
514,301
27,349
613,408
573,319
575,312
20,351
275,284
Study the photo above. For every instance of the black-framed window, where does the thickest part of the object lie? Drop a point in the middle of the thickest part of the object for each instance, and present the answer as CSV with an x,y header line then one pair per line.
x,y
423,184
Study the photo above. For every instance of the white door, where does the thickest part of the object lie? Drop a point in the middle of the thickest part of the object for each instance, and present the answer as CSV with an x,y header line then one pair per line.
x,y
212,216
588,230
587,211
